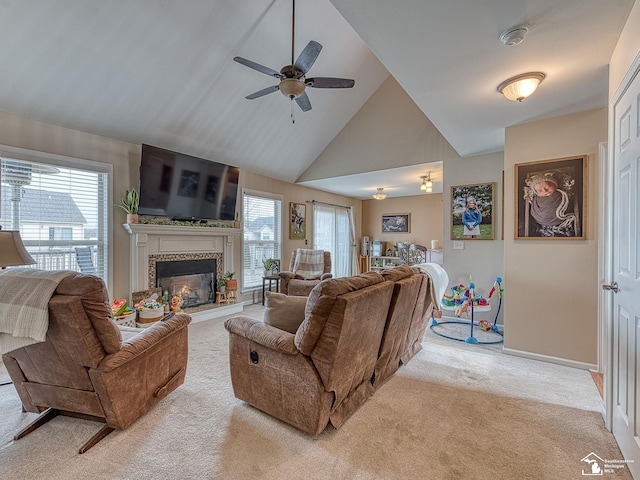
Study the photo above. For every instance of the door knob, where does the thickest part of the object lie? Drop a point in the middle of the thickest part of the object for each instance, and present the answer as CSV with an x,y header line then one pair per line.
x,y
613,286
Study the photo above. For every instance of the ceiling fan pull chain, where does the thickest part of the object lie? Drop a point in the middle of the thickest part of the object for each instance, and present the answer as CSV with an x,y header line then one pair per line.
x,y
293,120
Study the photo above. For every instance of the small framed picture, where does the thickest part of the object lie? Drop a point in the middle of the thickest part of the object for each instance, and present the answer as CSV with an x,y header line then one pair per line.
x,y
551,199
396,223
472,212
298,221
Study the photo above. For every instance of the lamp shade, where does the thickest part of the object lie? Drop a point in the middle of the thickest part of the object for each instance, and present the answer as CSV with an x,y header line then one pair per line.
x,y
12,250
521,86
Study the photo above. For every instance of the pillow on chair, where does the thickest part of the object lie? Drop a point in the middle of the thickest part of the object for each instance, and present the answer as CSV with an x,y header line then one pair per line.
x,y
283,311
309,264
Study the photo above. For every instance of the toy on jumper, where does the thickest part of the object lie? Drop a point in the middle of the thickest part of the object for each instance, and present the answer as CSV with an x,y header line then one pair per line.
x,y
464,300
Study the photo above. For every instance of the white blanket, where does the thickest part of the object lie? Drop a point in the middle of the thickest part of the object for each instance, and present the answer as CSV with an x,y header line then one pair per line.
x,y
24,305
439,280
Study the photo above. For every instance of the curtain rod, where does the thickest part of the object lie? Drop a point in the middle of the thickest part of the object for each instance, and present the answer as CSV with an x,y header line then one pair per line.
x,y
330,204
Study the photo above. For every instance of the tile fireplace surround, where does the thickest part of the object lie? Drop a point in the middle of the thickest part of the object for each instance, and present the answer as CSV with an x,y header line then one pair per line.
x,y
152,243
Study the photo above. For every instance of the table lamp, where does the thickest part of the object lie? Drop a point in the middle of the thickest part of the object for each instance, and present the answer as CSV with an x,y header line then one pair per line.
x,y
12,250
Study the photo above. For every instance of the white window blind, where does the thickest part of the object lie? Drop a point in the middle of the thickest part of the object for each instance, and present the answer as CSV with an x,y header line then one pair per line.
x,y
60,211
262,226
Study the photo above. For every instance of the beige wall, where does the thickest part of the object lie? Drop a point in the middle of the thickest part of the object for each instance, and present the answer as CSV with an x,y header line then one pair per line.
x,y
626,50
298,194
550,306
482,259
426,218
388,131
125,158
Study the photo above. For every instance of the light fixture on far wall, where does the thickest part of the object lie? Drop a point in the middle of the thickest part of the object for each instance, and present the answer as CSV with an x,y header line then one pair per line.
x,y
379,195
521,86
426,185
12,250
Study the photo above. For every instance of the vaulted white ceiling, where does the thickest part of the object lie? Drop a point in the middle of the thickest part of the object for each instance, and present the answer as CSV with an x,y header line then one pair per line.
x,y
161,72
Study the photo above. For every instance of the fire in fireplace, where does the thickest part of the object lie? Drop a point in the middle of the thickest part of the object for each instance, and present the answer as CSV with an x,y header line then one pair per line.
x,y
194,280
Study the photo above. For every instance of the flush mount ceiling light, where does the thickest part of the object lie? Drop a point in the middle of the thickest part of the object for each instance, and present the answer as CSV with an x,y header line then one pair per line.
x,y
379,195
521,86
426,185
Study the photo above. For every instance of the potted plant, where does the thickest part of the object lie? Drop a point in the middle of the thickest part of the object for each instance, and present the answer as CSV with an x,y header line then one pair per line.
x,y
268,264
129,203
222,283
232,283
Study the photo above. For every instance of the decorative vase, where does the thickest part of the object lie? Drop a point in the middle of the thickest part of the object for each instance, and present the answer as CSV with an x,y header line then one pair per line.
x,y
222,288
132,218
232,284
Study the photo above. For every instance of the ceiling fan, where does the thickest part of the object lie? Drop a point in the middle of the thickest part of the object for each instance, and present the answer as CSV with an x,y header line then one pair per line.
x,y
293,80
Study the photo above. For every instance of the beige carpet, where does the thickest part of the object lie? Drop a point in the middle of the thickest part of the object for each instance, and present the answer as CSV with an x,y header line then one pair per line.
x,y
457,411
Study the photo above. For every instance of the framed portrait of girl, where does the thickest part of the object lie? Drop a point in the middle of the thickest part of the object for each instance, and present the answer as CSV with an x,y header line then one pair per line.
x,y
472,212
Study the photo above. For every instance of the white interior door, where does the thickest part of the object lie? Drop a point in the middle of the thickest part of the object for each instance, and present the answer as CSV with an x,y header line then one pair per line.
x,y
625,284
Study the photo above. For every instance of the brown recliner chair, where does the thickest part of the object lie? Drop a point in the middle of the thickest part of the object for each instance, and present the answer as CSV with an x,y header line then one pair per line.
x,y
86,369
322,373
291,283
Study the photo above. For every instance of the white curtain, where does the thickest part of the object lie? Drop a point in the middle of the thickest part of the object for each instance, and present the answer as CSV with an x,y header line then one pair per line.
x,y
332,232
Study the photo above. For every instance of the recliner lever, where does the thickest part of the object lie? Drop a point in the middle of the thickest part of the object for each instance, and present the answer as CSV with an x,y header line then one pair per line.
x,y
254,356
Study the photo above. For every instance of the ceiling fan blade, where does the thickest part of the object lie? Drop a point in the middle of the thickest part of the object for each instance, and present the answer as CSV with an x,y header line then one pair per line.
x,y
258,67
303,102
329,82
308,56
263,92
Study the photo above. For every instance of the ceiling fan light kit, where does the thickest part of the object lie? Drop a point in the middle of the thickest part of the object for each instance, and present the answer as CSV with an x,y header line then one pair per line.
x,y
293,81
521,86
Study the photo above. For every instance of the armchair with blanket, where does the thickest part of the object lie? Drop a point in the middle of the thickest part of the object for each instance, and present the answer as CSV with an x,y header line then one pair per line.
x,y
307,268
86,366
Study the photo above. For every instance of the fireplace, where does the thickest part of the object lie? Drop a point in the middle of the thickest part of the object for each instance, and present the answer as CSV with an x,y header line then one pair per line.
x,y
194,280
186,246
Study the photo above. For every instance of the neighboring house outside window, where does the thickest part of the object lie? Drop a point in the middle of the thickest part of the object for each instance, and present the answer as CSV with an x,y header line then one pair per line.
x,y
58,209
262,230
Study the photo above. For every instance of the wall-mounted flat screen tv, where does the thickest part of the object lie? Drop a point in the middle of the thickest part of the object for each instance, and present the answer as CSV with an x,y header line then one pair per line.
x,y
184,187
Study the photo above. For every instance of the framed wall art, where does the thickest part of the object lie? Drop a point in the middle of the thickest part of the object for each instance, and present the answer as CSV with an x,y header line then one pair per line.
x,y
472,212
551,199
398,223
298,221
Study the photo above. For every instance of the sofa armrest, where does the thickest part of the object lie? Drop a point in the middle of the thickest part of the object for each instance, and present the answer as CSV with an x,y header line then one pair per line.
x,y
285,277
263,334
143,341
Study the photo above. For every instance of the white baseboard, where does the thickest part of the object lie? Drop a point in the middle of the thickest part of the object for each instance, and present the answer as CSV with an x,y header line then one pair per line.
x,y
549,359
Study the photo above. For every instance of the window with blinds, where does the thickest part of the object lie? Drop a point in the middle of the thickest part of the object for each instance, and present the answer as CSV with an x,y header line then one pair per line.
x,y
60,211
262,226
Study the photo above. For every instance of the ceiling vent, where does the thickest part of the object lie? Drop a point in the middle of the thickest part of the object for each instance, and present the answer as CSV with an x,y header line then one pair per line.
x,y
515,35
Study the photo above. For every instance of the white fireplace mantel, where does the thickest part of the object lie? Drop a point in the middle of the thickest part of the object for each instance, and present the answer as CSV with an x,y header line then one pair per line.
x,y
175,239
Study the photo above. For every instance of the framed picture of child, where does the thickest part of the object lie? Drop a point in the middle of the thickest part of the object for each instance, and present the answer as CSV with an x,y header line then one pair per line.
x,y
551,199
472,212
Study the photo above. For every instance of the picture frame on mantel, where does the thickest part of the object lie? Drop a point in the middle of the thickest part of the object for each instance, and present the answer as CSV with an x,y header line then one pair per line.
x,y
551,199
297,221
